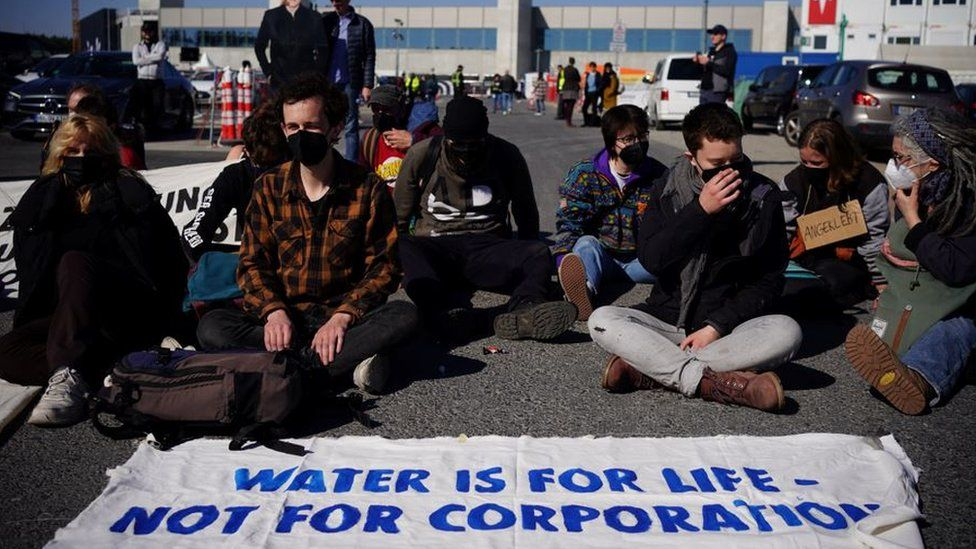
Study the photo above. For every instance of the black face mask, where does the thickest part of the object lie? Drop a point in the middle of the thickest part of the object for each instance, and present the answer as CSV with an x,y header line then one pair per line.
x,y
744,167
817,177
307,147
85,170
383,121
464,159
634,154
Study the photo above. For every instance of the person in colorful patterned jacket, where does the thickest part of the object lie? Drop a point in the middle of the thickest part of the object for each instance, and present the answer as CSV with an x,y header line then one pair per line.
x,y
601,203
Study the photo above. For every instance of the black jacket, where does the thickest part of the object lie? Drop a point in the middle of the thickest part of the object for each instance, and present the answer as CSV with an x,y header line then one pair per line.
x,y
951,260
571,78
231,190
734,288
143,230
508,84
361,44
297,43
719,73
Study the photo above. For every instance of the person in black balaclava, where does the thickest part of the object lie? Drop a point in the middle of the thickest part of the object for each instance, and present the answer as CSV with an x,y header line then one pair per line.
x,y
600,206
385,144
453,198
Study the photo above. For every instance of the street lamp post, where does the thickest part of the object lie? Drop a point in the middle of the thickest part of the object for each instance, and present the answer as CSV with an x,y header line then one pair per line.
x,y
397,37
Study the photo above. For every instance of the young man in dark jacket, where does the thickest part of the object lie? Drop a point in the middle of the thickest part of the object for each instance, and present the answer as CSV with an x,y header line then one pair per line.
x,y
351,64
714,238
297,42
570,90
600,206
718,80
453,197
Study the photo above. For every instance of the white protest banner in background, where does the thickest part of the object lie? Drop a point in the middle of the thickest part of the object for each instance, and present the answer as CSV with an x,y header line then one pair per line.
x,y
811,490
181,189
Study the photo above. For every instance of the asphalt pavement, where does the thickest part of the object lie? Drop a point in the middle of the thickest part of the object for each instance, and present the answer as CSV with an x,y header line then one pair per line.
x,y
536,389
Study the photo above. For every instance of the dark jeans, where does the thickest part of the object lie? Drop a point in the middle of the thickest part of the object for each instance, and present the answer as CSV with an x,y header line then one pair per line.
x,y
591,100
844,283
148,102
379,331
351,131
568,105
101,314
442,272
709,96
559,108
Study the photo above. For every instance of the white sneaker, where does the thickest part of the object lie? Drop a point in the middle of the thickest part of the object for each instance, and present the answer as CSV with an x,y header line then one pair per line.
x,y
170,343
64,401
371,374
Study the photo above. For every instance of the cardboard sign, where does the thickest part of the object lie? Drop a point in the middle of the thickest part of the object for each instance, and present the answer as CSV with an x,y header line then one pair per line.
x,y
734,492
832,225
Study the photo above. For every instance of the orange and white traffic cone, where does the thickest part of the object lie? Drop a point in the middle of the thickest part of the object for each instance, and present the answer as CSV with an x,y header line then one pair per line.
x,y
228,127
245,95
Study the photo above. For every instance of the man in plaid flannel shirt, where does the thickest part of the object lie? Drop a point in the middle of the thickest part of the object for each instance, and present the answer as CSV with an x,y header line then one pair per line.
x,y
318,253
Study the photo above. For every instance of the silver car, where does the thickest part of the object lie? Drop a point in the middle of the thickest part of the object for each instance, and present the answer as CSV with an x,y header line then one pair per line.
x,y
866,97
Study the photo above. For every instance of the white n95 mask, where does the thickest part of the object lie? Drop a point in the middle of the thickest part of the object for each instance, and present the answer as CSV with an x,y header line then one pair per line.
x,y
899,177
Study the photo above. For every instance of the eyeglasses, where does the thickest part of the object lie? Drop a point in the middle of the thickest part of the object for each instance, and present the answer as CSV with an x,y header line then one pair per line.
x,y
900,158
628,140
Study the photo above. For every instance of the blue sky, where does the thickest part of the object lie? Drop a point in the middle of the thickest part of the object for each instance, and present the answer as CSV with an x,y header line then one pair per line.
x,y
54,16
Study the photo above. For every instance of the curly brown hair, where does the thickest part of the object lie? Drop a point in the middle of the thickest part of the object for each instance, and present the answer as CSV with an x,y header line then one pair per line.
x,y
263,139
830,139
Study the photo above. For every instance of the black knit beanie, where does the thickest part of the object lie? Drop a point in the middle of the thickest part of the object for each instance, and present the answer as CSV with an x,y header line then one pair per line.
x,y
466,118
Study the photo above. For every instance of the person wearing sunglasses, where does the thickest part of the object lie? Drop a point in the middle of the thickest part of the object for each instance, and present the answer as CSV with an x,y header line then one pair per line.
x,y
714,238
600,205
916,348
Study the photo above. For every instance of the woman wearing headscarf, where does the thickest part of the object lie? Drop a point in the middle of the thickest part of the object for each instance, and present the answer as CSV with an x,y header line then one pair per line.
x,y
99,266
918,344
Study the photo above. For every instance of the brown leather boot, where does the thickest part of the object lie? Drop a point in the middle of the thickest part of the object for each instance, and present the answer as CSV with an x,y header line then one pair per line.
x,y
760,391
880,366
620,377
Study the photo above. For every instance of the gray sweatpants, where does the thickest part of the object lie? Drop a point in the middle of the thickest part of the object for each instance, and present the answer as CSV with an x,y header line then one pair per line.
x,y
651,346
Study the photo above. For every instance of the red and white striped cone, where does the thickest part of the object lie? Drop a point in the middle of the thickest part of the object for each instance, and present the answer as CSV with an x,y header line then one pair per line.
x,y
245,95
228,126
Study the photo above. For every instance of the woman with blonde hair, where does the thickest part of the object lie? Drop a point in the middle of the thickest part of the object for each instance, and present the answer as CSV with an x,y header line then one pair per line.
x,y
99,266
833,173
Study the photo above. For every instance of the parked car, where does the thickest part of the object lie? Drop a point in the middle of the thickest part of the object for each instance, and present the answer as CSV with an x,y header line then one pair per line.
x,y
967,93
773,94
867,96
43,69
33,107
674,89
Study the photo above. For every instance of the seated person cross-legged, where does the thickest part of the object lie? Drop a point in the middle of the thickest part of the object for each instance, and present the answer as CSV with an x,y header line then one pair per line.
x,y
317,257
264,149
833,174
600,206
100,270
918,346
453,194
713,236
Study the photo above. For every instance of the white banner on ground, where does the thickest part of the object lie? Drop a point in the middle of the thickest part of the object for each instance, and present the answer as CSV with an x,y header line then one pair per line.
x,y
181,190
811,490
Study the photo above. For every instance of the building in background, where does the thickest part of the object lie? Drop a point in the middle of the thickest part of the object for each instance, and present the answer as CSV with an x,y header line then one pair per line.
x,y
511,35
859,28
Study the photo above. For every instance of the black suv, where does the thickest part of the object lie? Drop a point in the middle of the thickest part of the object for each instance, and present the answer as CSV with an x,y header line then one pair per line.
x,y
773,95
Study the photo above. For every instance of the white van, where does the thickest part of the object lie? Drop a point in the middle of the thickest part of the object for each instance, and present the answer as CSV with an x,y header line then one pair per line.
x,y
674,89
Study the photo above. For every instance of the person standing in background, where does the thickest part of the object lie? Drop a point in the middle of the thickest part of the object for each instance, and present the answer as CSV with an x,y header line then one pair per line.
x,y
559,88
593,91
297,42
569,92
147,56
352,65
610,86
457,80
718,78
539,94
508,88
